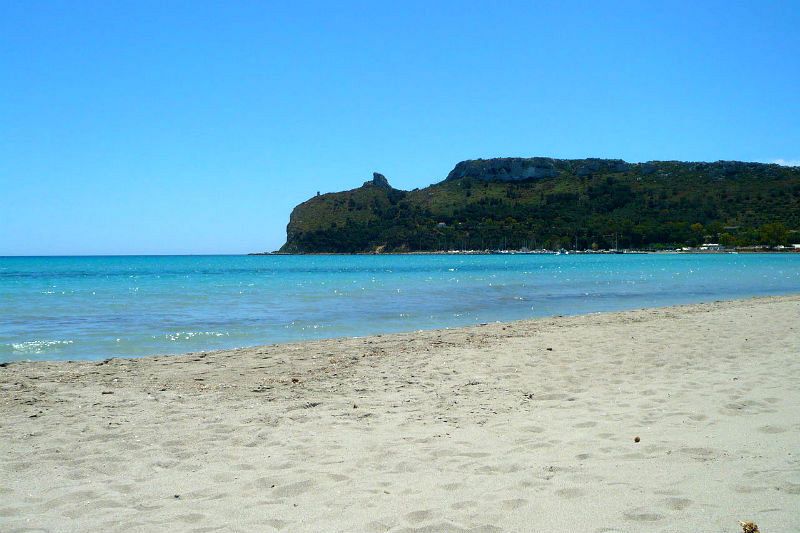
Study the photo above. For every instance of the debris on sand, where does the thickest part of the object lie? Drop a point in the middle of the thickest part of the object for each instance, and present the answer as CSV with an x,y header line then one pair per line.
x,y
749,527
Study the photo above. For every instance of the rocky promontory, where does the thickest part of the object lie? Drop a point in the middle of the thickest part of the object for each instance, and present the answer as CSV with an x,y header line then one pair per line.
x,y
519,202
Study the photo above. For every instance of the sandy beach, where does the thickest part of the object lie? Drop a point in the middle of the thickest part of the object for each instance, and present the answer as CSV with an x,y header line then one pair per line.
x,y
524,426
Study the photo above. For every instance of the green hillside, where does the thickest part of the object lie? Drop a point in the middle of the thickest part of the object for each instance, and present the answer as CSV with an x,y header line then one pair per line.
x,y
550,203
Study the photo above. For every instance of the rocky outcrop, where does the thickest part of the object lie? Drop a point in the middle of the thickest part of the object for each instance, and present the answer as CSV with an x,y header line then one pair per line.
x,y
378,180
593,166
526,168
505,169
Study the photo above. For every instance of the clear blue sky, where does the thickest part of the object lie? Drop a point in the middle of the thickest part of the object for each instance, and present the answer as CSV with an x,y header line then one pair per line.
x,y
169,127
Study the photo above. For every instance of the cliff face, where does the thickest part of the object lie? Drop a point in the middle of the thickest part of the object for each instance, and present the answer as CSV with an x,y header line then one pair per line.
x,y
518,168
540,201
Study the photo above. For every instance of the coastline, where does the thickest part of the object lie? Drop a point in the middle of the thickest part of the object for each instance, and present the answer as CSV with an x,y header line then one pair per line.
x,y
501,427
546,252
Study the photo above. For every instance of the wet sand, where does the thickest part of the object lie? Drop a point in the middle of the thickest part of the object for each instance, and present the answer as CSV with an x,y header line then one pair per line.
x,y
525,426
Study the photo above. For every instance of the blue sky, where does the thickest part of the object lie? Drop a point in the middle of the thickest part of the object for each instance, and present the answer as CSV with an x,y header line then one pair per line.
x,y
170,127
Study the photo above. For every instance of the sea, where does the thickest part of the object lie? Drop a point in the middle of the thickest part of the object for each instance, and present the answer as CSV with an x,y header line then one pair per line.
x,y
73,308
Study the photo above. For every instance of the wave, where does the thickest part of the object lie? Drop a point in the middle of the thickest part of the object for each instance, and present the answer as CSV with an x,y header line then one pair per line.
x,y
36,346
186,335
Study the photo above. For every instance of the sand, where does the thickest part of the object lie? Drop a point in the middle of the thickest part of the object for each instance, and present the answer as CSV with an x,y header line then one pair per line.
x,y
525,426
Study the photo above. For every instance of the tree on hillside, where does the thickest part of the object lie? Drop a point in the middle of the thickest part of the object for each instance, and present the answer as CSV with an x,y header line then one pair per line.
x,y
773,234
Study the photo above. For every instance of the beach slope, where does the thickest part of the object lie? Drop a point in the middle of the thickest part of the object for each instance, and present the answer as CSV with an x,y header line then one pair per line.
x,y
525,426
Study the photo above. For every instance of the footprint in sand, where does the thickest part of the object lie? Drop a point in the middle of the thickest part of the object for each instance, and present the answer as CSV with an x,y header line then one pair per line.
x,y
474,455
293,489
263,483
377,527
750,489
790,488
516,503
416,517
700,454
223,477
277,524
570,493
191,518
539,444
642,515
9,511
677,504
771,430
466,504
448,527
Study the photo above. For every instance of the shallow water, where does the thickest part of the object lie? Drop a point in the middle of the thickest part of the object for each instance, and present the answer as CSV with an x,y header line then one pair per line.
x,y
98,307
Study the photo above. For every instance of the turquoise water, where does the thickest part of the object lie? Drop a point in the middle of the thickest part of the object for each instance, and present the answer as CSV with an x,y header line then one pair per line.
x,y
98,307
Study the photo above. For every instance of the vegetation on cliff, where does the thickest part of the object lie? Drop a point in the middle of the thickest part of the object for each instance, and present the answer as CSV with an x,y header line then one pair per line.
x,y
512,203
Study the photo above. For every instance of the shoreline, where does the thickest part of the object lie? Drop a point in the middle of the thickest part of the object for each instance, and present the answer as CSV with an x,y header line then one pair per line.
x,y
389,335
523,425
787,250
